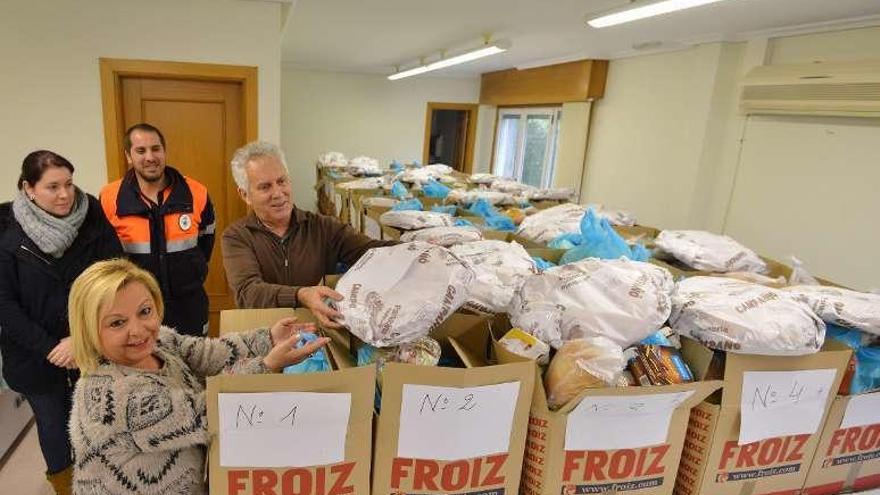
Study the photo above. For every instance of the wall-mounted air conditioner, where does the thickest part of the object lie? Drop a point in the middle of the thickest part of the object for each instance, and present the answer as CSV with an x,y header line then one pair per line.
x,y
849,89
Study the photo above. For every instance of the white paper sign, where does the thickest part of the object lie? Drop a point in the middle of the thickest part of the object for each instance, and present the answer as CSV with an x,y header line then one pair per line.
x,y
447,424
283,429
621,422
862,410
783,403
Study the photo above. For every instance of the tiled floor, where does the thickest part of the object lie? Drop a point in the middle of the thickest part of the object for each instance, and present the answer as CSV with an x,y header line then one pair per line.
x,y
23,472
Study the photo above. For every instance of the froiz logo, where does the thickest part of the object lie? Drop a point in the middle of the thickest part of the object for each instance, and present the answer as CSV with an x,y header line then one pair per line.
x,y
599,465
426,474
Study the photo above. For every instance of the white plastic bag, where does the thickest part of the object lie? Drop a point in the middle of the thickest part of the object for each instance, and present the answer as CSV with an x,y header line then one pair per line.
x,y
799,274
546,225
482,179
444,236
614,217
414,220
398,294
741,317
332,159
500,269
380,201
364,165
709,252
465,197
842,307
562,193
511,187
366,183
620,299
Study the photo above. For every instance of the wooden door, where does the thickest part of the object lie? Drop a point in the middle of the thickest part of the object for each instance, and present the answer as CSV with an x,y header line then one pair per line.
x,y
203,124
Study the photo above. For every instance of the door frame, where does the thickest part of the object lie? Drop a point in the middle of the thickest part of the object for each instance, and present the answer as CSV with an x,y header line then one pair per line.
x,y
471,135
114,69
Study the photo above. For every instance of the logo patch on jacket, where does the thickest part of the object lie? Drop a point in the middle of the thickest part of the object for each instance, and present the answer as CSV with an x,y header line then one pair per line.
x,y
184,222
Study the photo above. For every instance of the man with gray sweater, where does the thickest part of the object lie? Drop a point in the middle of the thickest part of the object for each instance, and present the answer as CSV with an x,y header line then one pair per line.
x,y
278,254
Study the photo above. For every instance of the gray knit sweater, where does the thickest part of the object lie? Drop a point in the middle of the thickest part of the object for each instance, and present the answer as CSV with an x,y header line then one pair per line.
x,y
145,432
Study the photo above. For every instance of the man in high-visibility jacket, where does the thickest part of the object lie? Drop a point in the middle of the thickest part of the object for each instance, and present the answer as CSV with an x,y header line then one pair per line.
x,y
166,223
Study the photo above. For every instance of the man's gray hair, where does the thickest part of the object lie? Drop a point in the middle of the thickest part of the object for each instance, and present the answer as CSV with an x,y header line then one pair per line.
x,y
248,152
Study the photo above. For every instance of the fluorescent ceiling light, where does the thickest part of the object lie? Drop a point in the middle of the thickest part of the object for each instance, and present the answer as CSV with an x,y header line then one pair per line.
x,y
645,11
486,51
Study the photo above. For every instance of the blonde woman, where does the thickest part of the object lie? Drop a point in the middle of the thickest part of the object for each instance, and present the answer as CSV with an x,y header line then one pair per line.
x,y
138,424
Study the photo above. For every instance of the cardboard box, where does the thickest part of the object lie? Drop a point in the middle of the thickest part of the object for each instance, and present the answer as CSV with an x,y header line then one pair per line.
x,y
498,235
297,407
848,457
714,462
775,269
453,431
562,456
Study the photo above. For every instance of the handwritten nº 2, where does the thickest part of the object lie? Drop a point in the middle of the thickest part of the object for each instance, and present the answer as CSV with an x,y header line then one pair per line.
x,y
432,403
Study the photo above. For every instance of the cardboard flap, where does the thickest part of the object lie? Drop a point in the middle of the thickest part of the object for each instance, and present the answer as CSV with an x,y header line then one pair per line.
x,y
467,336
830,357
698,357
547,254
701,390
398,374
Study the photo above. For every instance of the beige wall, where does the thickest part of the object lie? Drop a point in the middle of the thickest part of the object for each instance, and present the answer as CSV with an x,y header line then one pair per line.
x,y
574,126
647,135
359,114
807,186
669,144
49,67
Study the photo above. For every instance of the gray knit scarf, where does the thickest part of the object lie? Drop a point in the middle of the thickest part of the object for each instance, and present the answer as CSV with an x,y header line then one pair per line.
x,y
53,235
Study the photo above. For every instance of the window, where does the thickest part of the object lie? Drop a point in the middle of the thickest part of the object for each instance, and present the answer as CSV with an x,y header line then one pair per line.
x,y
525,144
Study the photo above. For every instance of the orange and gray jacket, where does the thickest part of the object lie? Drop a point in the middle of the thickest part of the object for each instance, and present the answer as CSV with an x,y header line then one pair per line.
x,y
172,238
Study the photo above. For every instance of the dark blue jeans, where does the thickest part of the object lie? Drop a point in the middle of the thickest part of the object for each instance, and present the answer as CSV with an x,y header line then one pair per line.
x,y
52,411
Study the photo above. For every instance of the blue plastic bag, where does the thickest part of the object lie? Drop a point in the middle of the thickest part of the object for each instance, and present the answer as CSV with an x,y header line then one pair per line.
x,y
449,209
315,363
566,241
434,189
461,222
656,338
396,166
542,264
600,240
867,373
398,190
493,219
409,204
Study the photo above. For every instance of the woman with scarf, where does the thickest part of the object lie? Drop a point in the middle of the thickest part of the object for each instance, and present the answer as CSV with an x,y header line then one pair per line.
x,y
49,234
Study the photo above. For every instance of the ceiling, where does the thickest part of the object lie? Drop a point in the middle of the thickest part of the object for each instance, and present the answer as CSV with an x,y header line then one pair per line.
x,y
374,36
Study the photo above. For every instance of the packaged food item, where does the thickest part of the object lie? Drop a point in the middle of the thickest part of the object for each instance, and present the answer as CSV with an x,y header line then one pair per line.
x,y
580,364
842,307
708,252
755,278
397,294
515,214
364,165
735,316
622,300
546,225
423,352
525,345
658,365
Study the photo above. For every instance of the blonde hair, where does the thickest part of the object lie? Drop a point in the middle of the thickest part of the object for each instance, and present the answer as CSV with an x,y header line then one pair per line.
x,y
92,292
